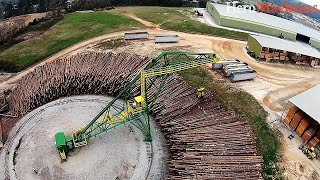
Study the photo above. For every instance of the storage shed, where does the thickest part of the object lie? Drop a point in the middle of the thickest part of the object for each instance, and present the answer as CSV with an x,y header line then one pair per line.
x,y
303,116
272,49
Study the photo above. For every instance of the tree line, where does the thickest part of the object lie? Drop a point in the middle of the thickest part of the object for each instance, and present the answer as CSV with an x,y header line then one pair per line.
x,y
10,8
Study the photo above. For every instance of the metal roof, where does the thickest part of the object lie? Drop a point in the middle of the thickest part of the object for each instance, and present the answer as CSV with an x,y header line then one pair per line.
x,y
309,102
136,35
266,20
166,38
286,45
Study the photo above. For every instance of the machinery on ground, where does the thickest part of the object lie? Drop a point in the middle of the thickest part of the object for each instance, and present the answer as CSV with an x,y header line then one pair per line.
x,y
135,109
309,152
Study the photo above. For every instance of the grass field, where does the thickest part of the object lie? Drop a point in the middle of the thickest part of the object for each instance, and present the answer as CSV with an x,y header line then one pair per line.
x,y
246,107
77,27
70,30
179,19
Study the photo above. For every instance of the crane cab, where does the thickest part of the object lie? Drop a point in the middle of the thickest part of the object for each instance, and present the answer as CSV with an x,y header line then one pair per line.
x,y
63,145
139,103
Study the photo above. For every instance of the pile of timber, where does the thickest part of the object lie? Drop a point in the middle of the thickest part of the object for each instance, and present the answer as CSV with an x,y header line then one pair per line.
x,y
3,103
204,140
209,142
304,126
275,55
83,73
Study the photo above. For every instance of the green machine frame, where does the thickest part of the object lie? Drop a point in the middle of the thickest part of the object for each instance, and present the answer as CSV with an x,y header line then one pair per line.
x,y
135,110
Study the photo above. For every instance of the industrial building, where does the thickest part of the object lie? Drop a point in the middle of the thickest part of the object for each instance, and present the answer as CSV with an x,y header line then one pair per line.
x,y
255,21
303,116
272,49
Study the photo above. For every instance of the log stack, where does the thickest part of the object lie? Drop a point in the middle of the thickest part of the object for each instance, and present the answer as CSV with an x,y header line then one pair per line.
x,y
84,73
210,143
204,140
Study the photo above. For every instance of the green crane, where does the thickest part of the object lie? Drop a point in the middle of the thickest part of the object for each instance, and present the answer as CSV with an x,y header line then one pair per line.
x,y
135,110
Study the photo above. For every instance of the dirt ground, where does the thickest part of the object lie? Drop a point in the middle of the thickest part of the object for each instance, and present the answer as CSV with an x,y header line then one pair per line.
x,y
118,153
275,84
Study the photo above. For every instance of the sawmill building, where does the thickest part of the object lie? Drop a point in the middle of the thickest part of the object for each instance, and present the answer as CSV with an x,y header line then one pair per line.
x,y
272,49
263,23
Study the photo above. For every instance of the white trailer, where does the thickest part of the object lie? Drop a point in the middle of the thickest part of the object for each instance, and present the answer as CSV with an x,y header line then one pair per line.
x,y
228,72
219,65
243,75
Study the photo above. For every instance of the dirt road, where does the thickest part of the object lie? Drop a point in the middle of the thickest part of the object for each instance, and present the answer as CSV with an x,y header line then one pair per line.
x,y
275,84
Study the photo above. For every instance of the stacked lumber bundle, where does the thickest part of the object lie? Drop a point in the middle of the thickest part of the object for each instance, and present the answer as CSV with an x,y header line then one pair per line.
x,y
314,62
296,119
292,111
275,55
308,134
209,142
303,126
315,140
83,73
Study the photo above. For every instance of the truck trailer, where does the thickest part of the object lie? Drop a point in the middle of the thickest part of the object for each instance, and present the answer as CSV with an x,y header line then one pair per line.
x,y
243,75
219,65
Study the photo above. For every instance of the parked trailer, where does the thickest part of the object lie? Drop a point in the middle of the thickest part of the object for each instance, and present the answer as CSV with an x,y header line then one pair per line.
x,y
229,71
137,35
219,65
243,76
166,39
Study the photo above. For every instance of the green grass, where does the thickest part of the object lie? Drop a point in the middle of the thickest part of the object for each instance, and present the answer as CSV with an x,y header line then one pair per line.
x,y
179,19
78,27
70,30
246,107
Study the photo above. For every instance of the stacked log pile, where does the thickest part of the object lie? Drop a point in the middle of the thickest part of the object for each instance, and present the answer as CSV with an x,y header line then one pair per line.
x,y
10,27
3,104
204,140
209,142
84,73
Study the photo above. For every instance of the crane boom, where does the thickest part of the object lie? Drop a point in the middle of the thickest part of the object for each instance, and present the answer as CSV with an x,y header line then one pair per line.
x,y
135,110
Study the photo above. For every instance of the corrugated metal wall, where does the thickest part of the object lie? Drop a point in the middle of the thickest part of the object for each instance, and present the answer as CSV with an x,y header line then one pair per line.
x,y
252,26
254,46
214,13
